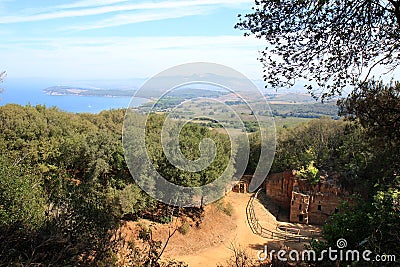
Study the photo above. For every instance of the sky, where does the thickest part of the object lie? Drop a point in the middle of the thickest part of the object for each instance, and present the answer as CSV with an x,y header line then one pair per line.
x,y
122,39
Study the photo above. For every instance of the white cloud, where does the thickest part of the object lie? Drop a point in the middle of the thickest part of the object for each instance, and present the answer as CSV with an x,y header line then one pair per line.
x,y
78,4
105,7
89,3
3,4
131,18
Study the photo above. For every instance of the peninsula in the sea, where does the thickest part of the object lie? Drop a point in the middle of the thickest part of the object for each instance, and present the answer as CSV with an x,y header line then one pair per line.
x,y
79,91
182,93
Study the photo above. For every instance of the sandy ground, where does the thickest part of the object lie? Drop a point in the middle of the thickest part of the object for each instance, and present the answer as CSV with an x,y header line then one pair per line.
x,y
241,235
209,245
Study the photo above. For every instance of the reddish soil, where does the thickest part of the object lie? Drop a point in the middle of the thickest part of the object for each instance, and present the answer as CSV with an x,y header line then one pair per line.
x,y
210,243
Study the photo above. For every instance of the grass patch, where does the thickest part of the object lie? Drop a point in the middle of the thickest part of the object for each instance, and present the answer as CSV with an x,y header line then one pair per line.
x,y
184,228
226,208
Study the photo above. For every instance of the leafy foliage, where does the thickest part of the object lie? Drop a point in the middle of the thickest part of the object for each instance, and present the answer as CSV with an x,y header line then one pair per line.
x,y
190,137
372,154
64,186
376,106
64,183
317,141
21,198
331,44
148,252
311,173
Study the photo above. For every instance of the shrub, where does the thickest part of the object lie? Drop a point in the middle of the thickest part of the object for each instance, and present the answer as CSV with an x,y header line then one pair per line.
x,y
165,219
228,210
225,208
184,228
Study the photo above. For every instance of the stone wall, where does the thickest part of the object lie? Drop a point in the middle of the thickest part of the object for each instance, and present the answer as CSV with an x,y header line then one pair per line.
x,y
307,203
279,187
299,207
242,186
322,206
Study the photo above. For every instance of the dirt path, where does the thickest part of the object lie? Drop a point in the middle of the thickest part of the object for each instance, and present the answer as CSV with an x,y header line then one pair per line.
x,y
241,236
210,245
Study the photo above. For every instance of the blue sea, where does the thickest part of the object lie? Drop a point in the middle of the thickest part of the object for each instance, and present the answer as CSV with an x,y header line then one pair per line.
x,y
30,91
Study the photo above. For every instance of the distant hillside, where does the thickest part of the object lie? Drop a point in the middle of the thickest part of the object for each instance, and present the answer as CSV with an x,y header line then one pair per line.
x,y
290,98
301,106
305,110
176,97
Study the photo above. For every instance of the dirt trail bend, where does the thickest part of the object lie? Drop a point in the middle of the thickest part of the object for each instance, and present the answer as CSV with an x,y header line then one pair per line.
x,y
241,235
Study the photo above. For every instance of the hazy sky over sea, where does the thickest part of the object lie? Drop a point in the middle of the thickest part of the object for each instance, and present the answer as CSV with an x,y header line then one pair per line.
x,y
120,39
